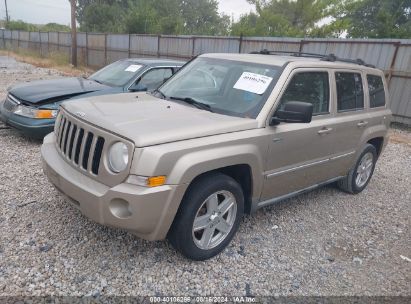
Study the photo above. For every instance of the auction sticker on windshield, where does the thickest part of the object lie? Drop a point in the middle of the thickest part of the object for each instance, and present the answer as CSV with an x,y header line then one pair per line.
x,y
254,83
133,68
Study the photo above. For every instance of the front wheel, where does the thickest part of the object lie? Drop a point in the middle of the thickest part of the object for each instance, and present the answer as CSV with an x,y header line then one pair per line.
x,y
208,218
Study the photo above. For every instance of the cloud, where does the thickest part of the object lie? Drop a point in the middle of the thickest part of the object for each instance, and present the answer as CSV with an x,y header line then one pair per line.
x,y
235,8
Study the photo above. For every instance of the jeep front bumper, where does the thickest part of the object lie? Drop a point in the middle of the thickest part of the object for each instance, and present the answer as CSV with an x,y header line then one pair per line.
x,y
145,212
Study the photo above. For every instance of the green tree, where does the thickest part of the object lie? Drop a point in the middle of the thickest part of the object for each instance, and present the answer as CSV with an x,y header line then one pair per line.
x,y
21,25
292,18
83,4
103,18
169,16
201,17
142,18
55,27
377,18
153,16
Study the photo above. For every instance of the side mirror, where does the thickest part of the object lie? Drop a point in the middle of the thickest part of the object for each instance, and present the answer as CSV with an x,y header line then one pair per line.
x,y
139,87
293,112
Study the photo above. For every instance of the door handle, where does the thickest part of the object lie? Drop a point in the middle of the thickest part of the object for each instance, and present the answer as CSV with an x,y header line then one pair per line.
x,y
362,124
325,131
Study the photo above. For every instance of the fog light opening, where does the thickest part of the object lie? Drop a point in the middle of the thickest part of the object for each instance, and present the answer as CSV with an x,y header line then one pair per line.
x,y
120,208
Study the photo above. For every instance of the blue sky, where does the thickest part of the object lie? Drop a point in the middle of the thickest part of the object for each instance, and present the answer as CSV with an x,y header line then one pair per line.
x,y
45,11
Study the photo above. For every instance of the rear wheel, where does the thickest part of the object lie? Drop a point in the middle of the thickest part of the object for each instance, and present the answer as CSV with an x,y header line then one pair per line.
x,y
360,175
208,218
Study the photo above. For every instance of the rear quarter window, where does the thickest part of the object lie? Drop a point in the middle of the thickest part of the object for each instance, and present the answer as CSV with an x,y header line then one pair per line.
x,y
376,90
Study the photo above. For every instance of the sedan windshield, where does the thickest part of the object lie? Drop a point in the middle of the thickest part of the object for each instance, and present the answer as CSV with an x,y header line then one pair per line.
x,y
224,86
117,74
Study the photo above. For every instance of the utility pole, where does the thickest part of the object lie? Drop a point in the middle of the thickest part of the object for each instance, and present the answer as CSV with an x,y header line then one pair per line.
x,y
73,34
7,12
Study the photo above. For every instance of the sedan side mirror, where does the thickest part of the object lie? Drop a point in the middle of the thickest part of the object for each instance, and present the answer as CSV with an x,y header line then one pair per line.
x,y
139,87
293,112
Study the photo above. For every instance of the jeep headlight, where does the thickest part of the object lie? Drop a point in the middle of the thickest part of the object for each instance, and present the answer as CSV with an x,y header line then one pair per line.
x,y
118,157
34,112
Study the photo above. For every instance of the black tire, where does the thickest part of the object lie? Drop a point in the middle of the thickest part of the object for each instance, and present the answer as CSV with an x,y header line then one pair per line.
x,y
348,184
181,232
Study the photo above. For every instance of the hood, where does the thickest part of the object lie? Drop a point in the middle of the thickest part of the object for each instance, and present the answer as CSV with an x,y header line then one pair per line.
x,y
147,120
47,91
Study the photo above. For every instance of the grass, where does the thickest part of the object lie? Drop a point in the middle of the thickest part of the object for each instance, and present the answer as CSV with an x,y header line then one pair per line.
x,y
55,60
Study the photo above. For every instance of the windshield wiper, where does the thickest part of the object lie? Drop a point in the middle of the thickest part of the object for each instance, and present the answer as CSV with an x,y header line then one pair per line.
x,y
98,81
193,102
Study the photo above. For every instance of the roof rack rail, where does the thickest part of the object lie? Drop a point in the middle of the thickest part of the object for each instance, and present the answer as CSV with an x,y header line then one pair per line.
x,y
322,57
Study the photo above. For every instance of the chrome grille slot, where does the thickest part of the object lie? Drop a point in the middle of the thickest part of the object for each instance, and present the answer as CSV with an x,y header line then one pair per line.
x,y
73,136
66,136
63,127
87,148
60,129
97,155
78,146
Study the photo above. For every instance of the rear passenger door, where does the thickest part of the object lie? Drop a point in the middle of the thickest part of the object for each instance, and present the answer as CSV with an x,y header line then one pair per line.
x,y
351,118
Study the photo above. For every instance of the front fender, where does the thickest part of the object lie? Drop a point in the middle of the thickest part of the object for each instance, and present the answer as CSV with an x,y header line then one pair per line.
x,y
193,164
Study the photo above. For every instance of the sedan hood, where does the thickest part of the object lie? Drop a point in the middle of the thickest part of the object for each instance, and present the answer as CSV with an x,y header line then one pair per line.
x,y
147,120
47,91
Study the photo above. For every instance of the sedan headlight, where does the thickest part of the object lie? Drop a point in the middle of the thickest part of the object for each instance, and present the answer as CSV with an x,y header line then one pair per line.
x,y
34,112
118,157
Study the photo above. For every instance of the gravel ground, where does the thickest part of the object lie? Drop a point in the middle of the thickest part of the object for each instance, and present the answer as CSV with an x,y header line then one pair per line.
x,y
322,243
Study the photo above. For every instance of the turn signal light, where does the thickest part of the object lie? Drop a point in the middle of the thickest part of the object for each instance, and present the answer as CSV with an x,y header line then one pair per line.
x,y
45,114
156,181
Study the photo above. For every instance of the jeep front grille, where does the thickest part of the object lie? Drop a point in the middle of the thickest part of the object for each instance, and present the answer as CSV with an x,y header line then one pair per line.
x,y
85,147
79,145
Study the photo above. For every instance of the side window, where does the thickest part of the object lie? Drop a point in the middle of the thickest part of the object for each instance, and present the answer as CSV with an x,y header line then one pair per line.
x,y
154,78
312,87
350,93
376,89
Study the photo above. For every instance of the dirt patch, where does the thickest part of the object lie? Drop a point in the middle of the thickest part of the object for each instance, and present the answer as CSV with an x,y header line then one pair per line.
x,y
398,136
51,63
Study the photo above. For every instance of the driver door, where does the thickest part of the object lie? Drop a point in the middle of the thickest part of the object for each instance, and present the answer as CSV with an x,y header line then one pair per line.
x,y
299,153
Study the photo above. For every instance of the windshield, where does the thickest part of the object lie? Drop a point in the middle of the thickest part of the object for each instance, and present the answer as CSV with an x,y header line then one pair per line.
x,y
117,74
227,87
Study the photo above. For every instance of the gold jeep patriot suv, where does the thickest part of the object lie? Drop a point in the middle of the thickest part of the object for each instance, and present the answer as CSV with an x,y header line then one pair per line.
x,y
226,135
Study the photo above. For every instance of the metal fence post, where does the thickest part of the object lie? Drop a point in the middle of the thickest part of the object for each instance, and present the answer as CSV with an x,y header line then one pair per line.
x,y
194,46
129,46
58,42
394,58
302,42
158,46
40,44
86,56
240,47
105,49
